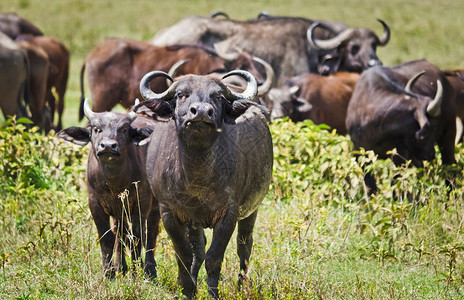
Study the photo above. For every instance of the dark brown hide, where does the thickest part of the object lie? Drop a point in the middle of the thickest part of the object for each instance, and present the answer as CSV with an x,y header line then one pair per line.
x,y
115,166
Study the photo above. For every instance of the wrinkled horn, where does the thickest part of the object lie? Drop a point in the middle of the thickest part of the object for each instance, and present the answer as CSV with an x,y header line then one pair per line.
x,y
249,93
412,81
327,44
386,33
270,75
434,107
173,70
87,110
146,91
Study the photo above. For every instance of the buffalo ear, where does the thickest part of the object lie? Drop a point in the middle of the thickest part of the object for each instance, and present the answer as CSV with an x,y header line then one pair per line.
x,y
77,135
329,65
237,108
141,136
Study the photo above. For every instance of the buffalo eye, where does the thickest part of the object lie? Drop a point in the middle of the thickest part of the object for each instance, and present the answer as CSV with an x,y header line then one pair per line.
x,y
96,130
180,95
355,49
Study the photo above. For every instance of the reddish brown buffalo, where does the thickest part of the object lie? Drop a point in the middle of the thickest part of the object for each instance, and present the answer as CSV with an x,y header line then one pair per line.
x,y
322,99
39,67
58,56
115,68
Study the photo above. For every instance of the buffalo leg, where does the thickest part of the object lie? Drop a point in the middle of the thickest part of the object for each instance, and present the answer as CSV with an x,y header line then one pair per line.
x,y
197,241
152,234
120,264
184,256
245,243
222,233
105,235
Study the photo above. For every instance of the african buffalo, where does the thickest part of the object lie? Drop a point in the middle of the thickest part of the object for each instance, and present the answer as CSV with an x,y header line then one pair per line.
x,y
14,78
38,75
291,45
114,68
115,166
58,57
13,25
210,166
409,107
322,99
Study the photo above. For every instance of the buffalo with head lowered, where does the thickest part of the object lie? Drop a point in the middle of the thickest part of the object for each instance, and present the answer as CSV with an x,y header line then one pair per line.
x,y
409,107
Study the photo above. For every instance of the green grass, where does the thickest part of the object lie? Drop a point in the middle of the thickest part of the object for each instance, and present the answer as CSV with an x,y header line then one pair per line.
x,y
316,235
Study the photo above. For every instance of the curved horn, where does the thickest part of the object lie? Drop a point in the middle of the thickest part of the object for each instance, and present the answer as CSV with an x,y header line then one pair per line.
x,y
434,107
249,93
173,70
270,75
218,13
330,43
386,33
225,56
146,91
133,114
87,110
412,81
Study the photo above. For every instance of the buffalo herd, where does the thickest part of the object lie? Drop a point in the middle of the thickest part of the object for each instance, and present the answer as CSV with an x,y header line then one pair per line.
x,y
197,152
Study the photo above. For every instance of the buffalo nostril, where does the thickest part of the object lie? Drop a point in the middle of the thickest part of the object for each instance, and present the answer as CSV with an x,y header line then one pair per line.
x,y
193,110
114,146
210,112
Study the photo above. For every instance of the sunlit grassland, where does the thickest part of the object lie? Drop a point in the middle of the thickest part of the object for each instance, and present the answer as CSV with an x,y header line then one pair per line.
x,y
316,236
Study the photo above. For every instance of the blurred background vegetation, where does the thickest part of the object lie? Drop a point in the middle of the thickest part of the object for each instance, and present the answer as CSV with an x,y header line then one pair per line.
x,y
317,235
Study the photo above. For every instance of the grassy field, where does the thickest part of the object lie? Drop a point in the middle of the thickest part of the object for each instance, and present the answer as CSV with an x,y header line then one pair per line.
x,y
316,235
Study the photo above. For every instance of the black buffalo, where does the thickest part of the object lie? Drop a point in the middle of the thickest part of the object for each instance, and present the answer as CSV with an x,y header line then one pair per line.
x,y
116,165
210,166
408,107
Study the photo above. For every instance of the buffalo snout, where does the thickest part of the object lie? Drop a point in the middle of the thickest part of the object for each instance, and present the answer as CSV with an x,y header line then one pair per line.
x,y
108,146
200,111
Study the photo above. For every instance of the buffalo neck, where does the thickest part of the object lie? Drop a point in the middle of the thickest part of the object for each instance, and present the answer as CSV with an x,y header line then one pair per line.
x,y
117,176
203,165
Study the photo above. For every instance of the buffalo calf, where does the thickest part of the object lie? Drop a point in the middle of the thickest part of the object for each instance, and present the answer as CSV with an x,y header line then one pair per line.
x,y
116,164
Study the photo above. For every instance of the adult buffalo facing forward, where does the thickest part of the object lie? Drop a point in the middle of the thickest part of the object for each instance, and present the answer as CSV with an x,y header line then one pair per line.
x,y
209,166
408,107
116,165
291,45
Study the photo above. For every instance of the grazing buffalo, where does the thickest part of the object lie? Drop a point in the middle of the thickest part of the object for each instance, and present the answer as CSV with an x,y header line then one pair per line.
x,y
322,99
114,68
291,45
14,76
38,75
409,107
13,25
115,166
58,56
210,166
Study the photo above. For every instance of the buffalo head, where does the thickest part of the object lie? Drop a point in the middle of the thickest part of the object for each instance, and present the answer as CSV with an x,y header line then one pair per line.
x,y
355,49
109,133
200,104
